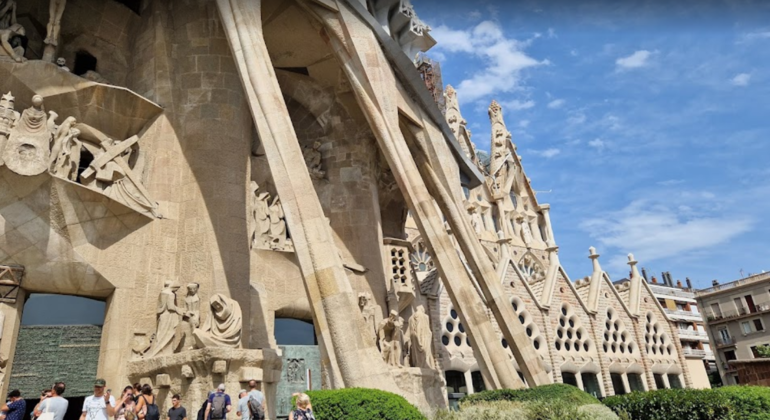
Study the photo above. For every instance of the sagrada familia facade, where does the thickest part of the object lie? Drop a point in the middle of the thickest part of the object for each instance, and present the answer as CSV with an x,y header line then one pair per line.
x,y
208,166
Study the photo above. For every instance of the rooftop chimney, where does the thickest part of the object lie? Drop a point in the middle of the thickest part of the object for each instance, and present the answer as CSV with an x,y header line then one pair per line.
x,y
644,274
689,283
654,280
715,282
679,284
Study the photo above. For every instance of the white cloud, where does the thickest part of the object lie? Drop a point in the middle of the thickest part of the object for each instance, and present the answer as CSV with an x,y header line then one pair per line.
x,y
655,232
576,118
516,105
742,79
552,33
547,153
751,36
524,123
504,58
556,103
670,182
635,60
597,143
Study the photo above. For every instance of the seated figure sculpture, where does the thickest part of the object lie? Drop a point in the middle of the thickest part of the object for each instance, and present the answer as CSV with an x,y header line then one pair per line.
x,y
223,326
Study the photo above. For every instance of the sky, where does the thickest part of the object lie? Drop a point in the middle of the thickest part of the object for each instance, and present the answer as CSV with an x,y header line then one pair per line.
x,y
645,126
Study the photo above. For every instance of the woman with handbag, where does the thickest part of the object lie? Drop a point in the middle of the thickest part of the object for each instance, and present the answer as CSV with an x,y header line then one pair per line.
x,y
126,405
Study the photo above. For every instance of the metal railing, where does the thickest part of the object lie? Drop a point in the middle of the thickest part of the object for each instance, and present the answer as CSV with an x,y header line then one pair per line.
x,y
758,308
721,341
682,313
694,352
748,280
692,333
672,291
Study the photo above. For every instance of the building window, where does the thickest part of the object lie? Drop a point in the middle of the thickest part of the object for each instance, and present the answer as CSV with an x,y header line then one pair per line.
x,y
617,383
730,355
746,327
758,325
569,378
591,384
674,382
635,382
478,381
455,382
659,382
716,311
724,335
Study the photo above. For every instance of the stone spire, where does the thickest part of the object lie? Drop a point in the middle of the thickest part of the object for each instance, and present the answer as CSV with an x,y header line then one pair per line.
x,y
499,148
635,289
596,281
455,120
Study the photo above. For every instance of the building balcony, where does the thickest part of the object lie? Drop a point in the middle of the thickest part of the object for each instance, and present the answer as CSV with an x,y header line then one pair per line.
x,y
687,315
694,352
725,342
741,312
667,292
719,287
691,334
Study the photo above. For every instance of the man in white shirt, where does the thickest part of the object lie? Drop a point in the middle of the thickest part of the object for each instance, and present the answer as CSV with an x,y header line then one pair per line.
x,y
54,404
101,405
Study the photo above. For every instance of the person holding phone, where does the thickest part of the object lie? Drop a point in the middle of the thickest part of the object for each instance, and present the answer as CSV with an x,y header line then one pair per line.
x,y
101,405
53,404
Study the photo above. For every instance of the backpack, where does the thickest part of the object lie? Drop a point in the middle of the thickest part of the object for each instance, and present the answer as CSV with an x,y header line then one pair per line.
x,y
217,406
255,408
303,415
151,410
202,411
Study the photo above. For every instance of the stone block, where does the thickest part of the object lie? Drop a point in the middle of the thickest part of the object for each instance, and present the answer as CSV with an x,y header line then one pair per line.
x,y
248,373
219,366
187,372
163,380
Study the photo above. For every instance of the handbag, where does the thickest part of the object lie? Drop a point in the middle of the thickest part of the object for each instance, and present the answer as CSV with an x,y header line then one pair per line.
x,y
47,414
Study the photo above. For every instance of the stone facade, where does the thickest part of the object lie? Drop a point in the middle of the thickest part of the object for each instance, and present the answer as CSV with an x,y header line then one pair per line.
x,y
205,166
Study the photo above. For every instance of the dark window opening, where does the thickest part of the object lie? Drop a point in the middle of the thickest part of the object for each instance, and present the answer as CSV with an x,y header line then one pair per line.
x,y
299,70
674,382
569,378
294,332
659,382
635,382
84,62
133,5
617,383
591,384
730,355
85,161
478,381
455,382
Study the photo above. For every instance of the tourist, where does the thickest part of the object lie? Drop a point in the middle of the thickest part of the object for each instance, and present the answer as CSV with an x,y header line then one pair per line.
x,y
256,397
145,407
304,410
177,412
202,411
101,405
53,403
15,407
126,409
137,391
218,404
243,405
46,393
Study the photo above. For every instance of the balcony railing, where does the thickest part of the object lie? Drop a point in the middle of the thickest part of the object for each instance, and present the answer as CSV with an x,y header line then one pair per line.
x,y
722,342
691,333
694,352
678,313
758,308
748,280
672,291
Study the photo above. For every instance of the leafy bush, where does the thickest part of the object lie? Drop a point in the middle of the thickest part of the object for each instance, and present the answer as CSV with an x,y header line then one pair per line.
x,y
564,393
673,404
748,402
361,404
528,410
596,412
498,410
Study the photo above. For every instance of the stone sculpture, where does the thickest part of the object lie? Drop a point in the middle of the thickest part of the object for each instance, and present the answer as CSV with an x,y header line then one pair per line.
x,y
7,13
168,320
223,326
526,232
55,12
372,314
191,317
312,157
116,171
391,336
419,340
62,64
277,226
8,118
27,151
260,218
12,42
295,370
65,153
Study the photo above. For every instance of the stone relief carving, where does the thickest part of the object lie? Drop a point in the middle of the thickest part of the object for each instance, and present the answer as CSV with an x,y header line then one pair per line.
x,y
295,370
55,12
526,232
260,218
531,268
419,340
223,326
391,337
12,40
277,226
168,320
191,317
312,157
7,13
8,118
62,64
27,150
372,314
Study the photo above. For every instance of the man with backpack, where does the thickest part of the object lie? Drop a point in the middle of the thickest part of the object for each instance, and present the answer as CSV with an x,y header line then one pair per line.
x,y
256,402
219,404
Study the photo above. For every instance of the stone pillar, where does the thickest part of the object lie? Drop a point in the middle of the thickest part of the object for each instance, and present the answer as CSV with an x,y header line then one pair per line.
x,y
115,348
626,385
11,314
546,210
469,382
351,359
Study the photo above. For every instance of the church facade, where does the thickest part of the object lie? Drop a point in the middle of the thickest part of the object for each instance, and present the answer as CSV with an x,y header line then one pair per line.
x,y
206,167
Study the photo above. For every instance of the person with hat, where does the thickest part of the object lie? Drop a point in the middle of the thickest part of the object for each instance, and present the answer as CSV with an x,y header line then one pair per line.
x,y
15,407
101,405
218,404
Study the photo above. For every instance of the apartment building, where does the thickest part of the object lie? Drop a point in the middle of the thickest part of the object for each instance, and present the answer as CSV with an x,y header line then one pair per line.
x,y
737,316
679,304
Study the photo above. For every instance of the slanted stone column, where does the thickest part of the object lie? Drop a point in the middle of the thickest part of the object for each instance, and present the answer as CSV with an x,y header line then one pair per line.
x,y
10,316
546,210
350,358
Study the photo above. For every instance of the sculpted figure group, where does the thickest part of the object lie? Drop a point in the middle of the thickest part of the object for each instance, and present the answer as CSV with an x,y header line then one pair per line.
x,y
180,329
32,143
268,222
393,336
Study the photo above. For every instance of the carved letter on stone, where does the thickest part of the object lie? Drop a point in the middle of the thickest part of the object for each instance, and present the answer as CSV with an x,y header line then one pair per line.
x,y
223,327
168,319
420,340
391,336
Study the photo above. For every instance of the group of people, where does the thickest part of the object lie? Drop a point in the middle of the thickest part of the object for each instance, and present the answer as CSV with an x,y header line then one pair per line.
x,y
137,402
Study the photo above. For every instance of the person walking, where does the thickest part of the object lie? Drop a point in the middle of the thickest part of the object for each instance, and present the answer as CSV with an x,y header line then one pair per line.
x,y
177,412
15,407
126,409
256,402
101,405
146,409
53,403
304,410
219,404
243,405
202,411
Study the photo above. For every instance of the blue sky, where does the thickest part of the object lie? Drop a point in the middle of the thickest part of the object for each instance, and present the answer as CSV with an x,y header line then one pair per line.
x,y
648,124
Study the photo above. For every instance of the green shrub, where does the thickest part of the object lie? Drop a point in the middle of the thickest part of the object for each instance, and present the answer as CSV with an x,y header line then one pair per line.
x,y
498,410
673,404
527,410
361,404
565,393
597,412
748,402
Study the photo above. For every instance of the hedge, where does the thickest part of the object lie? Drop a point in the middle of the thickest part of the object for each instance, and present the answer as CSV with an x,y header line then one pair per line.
x,y
748,402
361,404
673,404
561,392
